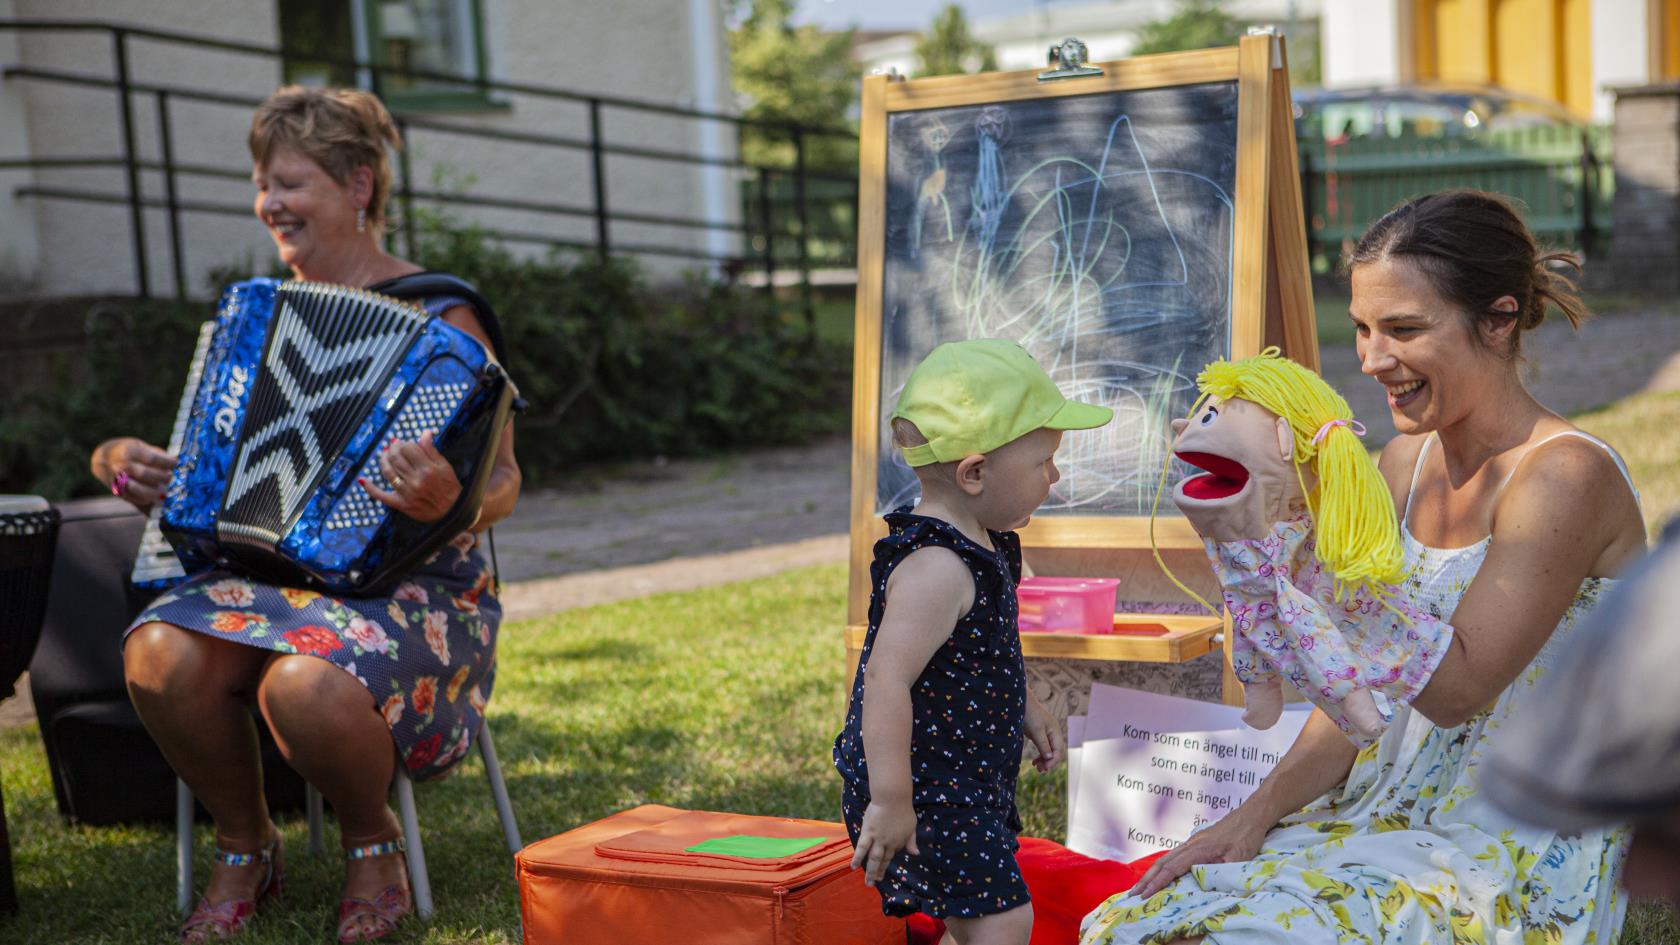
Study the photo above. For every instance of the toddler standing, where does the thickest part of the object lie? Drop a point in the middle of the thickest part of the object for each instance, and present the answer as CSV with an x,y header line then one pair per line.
x,y
940,704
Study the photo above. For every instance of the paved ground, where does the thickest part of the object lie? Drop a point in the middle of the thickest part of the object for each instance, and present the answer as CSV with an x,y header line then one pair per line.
x,y
1610,358
665,526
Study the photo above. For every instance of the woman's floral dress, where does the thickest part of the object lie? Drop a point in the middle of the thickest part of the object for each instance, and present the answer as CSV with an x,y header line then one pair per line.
x,y
427,653
1407,851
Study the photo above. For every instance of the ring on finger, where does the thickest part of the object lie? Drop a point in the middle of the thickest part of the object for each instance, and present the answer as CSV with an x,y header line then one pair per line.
x,y
397,482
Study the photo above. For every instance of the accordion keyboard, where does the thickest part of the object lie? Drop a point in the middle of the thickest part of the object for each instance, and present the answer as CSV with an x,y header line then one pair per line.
x,y
428,408
155,564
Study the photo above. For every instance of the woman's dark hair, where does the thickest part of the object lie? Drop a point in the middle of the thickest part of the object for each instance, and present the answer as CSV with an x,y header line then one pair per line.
x,y
1475,249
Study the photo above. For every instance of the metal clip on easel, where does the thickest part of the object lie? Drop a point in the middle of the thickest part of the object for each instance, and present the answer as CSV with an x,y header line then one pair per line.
x,y
1067,61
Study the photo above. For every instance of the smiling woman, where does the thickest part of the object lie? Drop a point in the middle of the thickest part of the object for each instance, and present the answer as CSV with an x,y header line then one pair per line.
x,y
1513,522
350,686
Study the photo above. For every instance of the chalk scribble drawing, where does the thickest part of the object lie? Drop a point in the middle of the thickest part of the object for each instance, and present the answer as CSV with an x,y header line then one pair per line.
x,y
1094,230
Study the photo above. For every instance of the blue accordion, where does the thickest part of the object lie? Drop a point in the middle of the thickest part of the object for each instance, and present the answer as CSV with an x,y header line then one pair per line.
x,y
296,390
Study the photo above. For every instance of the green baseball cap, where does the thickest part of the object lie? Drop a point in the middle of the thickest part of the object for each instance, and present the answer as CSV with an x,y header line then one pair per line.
x,y
974,396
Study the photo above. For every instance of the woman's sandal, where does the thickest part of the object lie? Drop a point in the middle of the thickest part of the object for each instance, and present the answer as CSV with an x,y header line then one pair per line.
x,y
212,923
385,909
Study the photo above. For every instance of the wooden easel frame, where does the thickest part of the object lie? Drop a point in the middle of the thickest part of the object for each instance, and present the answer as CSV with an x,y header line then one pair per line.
x,y
1271,297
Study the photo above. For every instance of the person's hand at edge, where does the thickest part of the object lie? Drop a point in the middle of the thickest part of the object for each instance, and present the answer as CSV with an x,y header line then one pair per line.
x,y
1045,733
132,469
887,829
1229,840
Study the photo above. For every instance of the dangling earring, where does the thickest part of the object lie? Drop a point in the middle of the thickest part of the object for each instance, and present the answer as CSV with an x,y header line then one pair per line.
x,y
361,219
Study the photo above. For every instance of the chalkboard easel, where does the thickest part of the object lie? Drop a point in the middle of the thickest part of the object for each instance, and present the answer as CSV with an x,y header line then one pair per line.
x,y
1126,227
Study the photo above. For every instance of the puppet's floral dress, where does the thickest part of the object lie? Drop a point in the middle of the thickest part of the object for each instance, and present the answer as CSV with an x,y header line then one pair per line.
x,y
1407,851
427,653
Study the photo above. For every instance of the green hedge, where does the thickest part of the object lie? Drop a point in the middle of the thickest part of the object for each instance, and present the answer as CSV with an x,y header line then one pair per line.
x,y
613,368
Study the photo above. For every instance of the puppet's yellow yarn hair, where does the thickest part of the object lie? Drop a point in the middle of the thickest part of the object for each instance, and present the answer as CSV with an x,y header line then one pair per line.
x,y
1352,509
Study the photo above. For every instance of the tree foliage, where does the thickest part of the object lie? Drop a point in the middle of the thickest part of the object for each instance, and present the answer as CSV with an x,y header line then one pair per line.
x,y
792,74
1198,24
949,46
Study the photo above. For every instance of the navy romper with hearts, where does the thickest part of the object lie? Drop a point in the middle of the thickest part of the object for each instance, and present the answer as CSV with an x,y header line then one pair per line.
x,y
969,716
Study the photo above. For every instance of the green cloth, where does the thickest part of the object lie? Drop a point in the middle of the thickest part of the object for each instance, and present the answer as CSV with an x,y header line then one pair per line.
x,y
757,848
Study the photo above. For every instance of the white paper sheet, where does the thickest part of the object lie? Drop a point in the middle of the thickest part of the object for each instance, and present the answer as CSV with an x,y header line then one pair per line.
x,y
1155,768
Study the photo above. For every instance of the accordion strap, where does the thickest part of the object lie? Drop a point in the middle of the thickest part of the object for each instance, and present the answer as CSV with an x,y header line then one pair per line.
x,y
421,285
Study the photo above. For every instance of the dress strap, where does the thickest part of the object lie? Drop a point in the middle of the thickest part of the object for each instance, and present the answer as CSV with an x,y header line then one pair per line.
x,y
1417,467
1614,456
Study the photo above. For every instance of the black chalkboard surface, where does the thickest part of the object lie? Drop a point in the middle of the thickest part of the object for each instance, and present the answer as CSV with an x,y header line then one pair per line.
x,y
1097,231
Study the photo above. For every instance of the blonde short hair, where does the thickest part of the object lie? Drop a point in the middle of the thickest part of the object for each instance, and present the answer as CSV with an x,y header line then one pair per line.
x,y
339,129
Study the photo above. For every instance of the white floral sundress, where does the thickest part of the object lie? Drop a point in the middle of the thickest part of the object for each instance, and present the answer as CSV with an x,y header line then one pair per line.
x,y
1407,851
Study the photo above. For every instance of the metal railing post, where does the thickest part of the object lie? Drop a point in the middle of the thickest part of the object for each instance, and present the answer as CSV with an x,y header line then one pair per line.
x,y
166,144
766,222
406,169
602,246
804,231
1589,194
131,164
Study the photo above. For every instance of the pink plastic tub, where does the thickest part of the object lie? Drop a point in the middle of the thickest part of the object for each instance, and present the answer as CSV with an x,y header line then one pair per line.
x,y
1067,604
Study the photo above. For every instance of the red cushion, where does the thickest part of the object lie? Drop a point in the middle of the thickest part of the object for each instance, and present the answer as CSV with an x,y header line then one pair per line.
x,y
1065,886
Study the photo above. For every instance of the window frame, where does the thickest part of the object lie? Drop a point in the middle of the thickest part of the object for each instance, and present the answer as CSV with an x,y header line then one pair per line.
x,y
366,22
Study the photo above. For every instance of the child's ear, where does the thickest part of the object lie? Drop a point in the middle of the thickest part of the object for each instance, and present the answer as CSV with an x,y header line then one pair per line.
x,y
1286,440
971,473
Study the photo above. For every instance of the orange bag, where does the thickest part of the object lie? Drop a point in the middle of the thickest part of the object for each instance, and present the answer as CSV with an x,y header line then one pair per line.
x,y
630,878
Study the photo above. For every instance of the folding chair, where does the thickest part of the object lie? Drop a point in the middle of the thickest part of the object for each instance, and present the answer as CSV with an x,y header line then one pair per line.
x,y
419,880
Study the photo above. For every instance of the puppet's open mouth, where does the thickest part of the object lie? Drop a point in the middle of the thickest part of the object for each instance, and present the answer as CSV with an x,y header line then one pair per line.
x,y
1223,477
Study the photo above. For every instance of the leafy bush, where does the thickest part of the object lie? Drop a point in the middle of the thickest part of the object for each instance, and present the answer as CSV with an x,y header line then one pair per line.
x,y
612,369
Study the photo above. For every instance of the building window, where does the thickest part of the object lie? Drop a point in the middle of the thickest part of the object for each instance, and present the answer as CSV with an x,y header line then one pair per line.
x,y
438,36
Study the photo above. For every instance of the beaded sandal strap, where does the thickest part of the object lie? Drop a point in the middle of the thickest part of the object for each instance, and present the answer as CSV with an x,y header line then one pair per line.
x,y
243,859
376,849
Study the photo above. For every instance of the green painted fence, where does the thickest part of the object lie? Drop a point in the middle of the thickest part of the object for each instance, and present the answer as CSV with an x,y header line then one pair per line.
x,y
1561,176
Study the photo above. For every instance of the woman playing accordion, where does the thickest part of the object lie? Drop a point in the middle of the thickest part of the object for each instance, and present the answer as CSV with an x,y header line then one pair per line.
x,y
339,680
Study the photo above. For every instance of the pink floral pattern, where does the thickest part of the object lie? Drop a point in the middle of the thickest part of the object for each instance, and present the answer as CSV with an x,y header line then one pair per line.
x,y
1291,620
427,652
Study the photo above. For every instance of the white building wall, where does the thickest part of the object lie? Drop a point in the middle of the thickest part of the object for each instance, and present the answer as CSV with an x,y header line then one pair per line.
x,y
1619,36
641,50
20,246
87,248
1361,42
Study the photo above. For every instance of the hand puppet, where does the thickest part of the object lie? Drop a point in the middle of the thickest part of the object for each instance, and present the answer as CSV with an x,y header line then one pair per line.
x,y
1301,531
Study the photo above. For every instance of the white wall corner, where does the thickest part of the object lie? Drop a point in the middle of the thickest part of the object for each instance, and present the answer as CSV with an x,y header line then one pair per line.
x,y
1361,42
1619,35
709,54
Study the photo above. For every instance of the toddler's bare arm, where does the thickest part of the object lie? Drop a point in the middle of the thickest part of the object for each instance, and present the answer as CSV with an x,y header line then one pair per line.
x,y
927,594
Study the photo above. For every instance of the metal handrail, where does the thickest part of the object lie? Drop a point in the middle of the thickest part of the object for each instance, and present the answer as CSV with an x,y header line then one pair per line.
x,y
405,193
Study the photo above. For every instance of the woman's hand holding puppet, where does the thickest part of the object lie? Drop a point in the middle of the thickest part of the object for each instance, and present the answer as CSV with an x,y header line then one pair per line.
x,y
1302,534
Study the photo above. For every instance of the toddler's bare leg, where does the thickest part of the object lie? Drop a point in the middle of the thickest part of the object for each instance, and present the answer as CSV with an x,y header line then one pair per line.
x,y
1005,928
1361,712
1263,702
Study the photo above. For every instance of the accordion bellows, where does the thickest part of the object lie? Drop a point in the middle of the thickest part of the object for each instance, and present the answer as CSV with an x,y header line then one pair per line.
x,y
302,386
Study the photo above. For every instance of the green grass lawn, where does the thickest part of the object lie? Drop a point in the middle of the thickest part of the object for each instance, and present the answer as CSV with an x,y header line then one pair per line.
x,y
724,699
